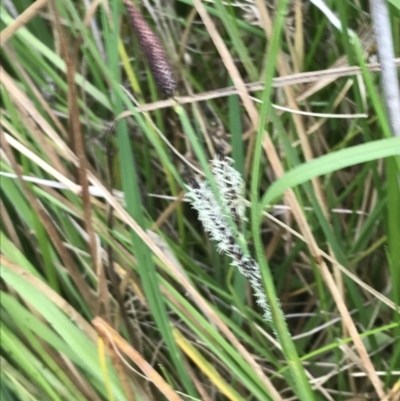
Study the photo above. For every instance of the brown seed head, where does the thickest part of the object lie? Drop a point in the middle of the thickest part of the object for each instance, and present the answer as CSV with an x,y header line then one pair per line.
x,y
151,46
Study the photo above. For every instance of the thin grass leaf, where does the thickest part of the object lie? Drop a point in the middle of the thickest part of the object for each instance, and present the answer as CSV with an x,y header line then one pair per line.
x,y
332,162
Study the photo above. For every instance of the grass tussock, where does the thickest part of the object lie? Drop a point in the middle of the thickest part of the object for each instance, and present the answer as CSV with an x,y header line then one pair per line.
x,y
277,122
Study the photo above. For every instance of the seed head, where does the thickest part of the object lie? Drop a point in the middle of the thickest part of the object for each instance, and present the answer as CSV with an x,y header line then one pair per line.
x,y
151,46
214,221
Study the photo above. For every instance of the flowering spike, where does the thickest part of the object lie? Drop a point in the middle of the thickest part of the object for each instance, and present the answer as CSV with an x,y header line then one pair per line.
x,y
231,186
151,46
202,198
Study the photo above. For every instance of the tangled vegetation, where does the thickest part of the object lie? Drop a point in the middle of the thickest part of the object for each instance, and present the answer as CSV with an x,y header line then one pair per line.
x,y
111,287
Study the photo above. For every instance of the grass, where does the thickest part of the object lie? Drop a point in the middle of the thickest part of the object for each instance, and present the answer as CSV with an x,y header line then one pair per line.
x,y
137,304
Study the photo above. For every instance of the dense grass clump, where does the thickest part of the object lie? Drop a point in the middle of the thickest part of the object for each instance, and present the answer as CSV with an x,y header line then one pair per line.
x,y
275,121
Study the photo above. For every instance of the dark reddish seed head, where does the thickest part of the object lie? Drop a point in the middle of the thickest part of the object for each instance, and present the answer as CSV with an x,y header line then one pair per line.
x,y
151,46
